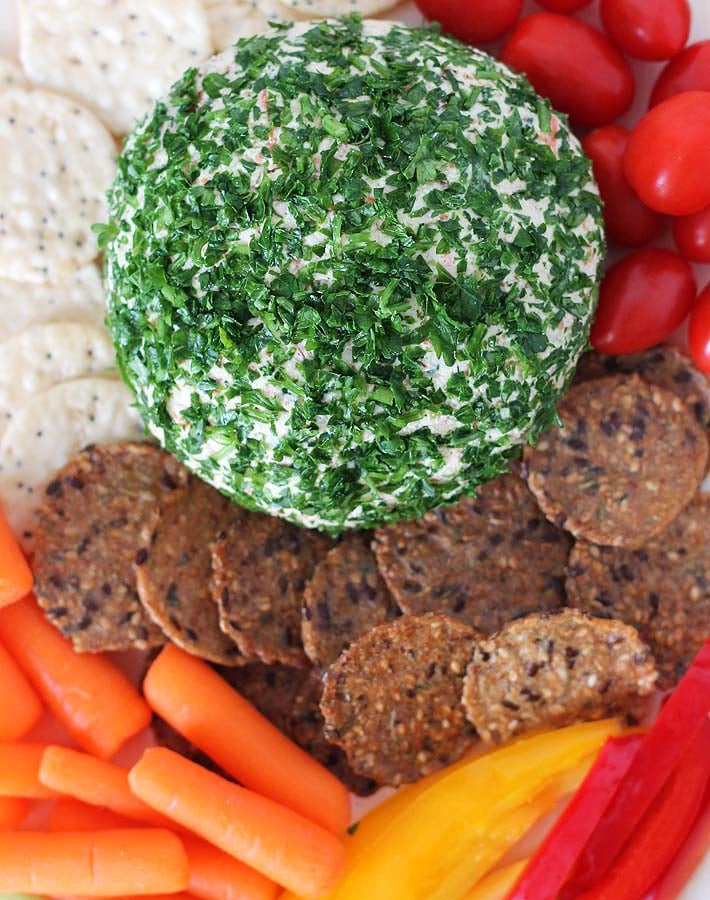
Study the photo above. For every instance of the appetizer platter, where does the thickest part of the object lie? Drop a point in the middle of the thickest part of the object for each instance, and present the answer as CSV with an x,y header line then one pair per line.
x,y
354,449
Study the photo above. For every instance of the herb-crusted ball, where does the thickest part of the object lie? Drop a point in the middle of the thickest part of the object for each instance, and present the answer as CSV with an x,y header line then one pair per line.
x,y
351,269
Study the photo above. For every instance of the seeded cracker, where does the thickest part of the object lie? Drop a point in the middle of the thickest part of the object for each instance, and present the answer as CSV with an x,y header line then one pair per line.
x,y
345,598
260,569
57,163
665,367
289,698
488,559
173,571
334,8
89,526
117,56
11,75
629,458
45,355
392,701
48,431
230,21
553,669
662,589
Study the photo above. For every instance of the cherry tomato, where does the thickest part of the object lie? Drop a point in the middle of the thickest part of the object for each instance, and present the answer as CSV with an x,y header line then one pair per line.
x,y
689,71
643,299
699,331
574,65
628,221
473,21
692,235
668,156
647,29
564,6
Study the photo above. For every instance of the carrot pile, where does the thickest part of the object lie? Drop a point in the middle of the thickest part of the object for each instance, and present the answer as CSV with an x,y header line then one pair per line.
x,y
166,827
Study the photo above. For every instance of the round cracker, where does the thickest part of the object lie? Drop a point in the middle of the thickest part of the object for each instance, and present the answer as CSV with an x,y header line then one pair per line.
x,y
392,700
78,298
57,164
552,669
260,569
488,559
335,8
11,75
662,589
174,570
37,359
117,56
48,431
344,599
627,460
667,367
231,21
88,535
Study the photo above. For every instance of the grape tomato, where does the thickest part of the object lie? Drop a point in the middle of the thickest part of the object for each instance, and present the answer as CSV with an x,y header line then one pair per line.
x,y
688,71
473,21
647,29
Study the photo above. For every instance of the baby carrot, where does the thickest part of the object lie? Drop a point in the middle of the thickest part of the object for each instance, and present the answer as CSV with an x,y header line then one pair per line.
x,y
274,840
200,704
96,781
15,575
12,811
69,814
19,771
21,707
93,863
215,875
89,695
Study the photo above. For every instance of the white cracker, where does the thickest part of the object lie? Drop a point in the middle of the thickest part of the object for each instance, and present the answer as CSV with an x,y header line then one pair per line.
x,y
231,21
37,359
56,163
324,8
118,56
407,12
51,428
78,298
11,75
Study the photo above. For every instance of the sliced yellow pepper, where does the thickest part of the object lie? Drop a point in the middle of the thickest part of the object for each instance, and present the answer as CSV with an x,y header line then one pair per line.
x,y
497,884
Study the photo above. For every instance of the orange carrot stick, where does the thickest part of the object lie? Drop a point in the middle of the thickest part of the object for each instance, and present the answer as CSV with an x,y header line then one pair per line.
x,y
181,895
15,575
96,781
89,695
200,705
19,771
93,863
12,811
21,707
215,875
274,840
69,814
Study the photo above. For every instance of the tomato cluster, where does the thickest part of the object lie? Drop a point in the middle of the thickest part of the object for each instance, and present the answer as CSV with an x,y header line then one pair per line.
x,y
659,168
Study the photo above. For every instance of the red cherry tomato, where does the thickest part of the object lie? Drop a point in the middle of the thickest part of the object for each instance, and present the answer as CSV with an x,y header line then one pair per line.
x,y
689,71
564,6
668,157
647,29
574,65
643,299
473,21
692,235
699,331
628,221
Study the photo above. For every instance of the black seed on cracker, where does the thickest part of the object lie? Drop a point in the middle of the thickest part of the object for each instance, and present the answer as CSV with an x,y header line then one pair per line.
x,y
553,669
345,598
662,589
644,458
488,559
87,541
173,570
260,569
392,700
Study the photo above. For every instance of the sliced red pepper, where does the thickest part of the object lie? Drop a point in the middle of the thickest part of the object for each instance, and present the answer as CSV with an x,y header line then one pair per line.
x,y
681,719
553,862
662,831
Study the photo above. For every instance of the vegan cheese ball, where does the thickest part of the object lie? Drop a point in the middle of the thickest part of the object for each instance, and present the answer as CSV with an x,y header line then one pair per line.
x,y
351,268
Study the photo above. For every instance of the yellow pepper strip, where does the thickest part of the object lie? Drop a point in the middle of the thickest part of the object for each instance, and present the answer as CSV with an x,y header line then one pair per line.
x,y
424,843
498,883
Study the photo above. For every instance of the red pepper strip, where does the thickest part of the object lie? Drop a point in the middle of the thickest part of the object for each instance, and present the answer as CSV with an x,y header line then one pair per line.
x,y
660,834
552,863
691,855
675,729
